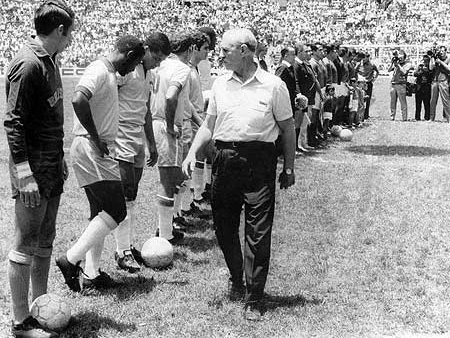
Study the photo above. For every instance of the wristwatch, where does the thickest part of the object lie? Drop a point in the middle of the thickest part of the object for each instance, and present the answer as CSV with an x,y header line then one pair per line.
x,y
288,171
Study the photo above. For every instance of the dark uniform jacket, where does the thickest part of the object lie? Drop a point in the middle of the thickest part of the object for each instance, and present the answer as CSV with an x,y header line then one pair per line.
x,y
306,80
286,73
34,118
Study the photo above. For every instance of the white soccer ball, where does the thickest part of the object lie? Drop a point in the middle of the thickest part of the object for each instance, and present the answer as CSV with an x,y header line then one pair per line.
x,y
51,311
346,135
157,252
336,130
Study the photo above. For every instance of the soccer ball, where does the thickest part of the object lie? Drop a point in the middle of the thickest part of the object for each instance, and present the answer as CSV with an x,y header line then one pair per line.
x,y
336,130
346,135
51,311
157,252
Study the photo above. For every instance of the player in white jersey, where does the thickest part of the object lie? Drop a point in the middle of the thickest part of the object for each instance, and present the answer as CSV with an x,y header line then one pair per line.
x,y
96,107
135,130
169,97
190,206
201,176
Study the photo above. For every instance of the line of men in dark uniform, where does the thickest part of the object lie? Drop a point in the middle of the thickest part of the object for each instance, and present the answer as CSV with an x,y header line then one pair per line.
x,y
309,69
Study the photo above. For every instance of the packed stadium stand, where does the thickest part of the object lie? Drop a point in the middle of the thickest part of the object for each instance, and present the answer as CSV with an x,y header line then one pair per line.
x,y
356,22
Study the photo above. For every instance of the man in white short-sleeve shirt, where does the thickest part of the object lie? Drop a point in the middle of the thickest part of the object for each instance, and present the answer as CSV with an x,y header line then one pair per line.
x,y
248,109
169,98
96,107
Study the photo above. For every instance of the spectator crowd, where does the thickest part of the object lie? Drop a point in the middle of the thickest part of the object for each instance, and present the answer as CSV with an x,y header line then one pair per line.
x,y
352,22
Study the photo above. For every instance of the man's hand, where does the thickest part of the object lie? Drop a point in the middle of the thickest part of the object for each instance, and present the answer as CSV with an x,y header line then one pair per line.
x,y
173,131
65,171
286,180
29,192
188,165
101,147
153,155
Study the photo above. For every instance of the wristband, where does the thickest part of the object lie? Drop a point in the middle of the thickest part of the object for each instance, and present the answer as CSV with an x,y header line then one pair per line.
x,y
23,170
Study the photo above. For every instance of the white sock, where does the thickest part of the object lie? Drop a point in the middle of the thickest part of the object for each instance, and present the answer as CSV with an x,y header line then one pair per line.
x,y
186,199
96,230
197,182
208,173
131,212
93,257
165,215
122,233
177,198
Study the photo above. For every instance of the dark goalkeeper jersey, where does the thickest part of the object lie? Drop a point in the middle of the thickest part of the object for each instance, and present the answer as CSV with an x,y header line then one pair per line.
x,y
34,117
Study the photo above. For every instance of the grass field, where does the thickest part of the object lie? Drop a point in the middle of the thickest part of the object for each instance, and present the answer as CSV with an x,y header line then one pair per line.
x,y
361,248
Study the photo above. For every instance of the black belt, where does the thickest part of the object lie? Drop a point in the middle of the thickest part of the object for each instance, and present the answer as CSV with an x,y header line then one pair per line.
x,y
240,145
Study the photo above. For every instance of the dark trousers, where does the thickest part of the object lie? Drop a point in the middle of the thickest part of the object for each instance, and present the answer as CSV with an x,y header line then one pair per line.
x,y
369,98
340,115
423,96
245,175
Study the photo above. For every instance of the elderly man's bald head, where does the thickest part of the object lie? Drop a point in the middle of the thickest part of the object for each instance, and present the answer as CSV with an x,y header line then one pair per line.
x,y
240,36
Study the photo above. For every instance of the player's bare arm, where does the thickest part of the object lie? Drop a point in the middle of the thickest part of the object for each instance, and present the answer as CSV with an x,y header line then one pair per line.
x,y
151,145
171,107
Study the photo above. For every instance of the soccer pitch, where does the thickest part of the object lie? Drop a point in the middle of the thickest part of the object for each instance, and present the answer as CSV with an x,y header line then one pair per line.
x,y
360,247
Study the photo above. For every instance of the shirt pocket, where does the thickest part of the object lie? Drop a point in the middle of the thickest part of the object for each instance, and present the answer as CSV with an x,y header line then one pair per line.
x,y
257,117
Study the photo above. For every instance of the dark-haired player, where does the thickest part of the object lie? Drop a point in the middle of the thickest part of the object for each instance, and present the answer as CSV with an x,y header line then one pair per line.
x,y
34,129
135,130
194,205
169,98
96,122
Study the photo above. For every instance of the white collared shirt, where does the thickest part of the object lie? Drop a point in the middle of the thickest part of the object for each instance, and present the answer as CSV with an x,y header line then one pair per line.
x,y
249,111
286,63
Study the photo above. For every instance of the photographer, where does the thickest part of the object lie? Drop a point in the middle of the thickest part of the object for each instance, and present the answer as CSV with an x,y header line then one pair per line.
x,y
401,67
439,65
424,77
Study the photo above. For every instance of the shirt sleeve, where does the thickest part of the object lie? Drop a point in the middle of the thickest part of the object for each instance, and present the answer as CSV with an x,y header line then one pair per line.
x,y
22,81
92,79
212,105
281,107
180,76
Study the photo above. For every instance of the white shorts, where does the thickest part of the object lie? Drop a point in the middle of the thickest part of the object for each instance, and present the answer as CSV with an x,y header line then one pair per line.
x,y
130,145
327,116
341,90
170,149
89,166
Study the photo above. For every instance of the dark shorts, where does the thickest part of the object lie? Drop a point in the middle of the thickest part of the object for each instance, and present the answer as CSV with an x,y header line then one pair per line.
x,y
130,176
34,230
107,196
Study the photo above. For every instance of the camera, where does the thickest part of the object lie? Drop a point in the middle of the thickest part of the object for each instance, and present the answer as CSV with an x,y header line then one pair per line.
x,y
435,53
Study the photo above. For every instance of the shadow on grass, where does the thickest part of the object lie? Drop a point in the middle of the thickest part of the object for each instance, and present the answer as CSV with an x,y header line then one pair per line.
x,y
181,256
88,325
399,150
198,244
273,302
127,286
199,225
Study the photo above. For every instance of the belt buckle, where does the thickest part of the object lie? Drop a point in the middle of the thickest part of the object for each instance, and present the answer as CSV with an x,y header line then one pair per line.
x,y
234,145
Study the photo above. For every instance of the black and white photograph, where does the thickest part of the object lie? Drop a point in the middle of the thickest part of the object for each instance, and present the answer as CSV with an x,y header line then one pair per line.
x,y
225,168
